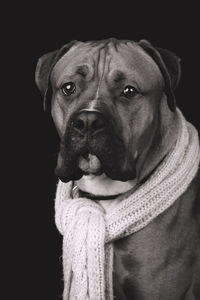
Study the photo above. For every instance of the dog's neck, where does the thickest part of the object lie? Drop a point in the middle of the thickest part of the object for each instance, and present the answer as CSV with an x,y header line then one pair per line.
x,y
103,185
106,191
108,202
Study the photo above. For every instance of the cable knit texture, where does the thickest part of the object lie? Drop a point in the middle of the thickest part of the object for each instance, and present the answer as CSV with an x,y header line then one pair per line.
x,y
88,232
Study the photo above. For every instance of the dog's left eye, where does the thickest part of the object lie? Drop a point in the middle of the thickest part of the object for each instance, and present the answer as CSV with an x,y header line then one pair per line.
x,y
68,88
129,91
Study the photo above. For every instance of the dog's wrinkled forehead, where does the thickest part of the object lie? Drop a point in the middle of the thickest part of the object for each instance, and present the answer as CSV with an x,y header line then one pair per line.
x,y
112,59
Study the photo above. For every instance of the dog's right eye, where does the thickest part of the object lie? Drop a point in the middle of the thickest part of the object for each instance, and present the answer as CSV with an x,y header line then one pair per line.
x,y
129,91
68,88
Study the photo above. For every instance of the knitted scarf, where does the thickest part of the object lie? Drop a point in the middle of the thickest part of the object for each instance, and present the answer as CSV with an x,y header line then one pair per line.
x,y
88,232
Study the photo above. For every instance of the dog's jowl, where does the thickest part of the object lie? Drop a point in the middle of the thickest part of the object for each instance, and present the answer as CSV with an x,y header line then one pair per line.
x,y
128,196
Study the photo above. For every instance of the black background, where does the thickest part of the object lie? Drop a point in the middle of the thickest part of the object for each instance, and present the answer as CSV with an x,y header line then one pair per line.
x,y
34,246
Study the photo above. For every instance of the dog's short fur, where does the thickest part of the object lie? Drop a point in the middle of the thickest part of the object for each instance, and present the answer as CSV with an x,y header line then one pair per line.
x,y
114,108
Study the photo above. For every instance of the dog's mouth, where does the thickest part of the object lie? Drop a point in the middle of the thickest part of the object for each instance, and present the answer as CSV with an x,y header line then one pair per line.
x,y
90,164
72,165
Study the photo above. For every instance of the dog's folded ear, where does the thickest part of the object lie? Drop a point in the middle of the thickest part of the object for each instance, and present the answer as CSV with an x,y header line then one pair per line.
x,y
44,67
169,65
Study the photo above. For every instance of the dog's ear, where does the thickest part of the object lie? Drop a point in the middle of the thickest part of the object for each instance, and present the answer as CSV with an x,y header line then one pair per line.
x,y
169,65
44,67
42,70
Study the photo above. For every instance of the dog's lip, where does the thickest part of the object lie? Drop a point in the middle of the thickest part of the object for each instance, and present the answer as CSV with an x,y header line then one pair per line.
x,y
89,164
94,159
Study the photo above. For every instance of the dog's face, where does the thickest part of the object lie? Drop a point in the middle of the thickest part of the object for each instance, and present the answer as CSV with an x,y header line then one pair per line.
x,y
106,99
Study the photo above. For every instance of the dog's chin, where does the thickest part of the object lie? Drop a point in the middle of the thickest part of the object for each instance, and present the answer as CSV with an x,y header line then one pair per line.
x,y
90,177
90,165
102,185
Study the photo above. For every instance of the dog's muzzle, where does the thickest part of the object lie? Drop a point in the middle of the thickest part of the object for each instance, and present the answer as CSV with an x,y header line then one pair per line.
x,y
92,145
87,124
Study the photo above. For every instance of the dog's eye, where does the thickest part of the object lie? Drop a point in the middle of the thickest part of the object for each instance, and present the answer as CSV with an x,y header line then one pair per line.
x,y
129,91
68,88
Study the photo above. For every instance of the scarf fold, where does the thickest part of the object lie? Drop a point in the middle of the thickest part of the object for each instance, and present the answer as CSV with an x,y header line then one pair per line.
x,y
88,232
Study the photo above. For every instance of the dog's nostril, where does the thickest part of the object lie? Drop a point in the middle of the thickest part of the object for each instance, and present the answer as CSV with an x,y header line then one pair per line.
x,y
79,124
88,121
97,124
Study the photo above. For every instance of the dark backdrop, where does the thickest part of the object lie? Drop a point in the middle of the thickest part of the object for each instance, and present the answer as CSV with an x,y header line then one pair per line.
x,y
31,31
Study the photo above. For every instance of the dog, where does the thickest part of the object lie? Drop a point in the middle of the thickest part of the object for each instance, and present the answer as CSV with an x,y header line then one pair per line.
x,y
113,105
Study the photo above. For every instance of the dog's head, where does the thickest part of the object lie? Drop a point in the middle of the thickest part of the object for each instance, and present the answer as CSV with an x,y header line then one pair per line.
x,y
105,98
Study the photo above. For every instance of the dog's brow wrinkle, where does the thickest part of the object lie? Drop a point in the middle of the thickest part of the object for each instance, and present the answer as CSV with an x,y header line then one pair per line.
x,y
119,76
82,70
101,68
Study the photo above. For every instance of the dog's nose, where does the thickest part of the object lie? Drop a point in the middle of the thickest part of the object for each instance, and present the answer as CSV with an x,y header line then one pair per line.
x,y
89,122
